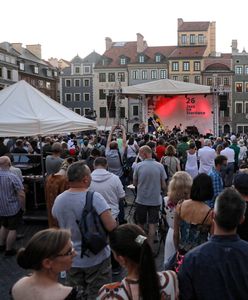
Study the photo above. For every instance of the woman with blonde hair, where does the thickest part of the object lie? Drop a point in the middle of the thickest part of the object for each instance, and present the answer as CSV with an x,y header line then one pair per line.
x,y
179,189
171,161
48,253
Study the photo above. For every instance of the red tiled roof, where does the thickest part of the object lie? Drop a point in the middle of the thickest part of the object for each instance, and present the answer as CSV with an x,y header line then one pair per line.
x,y
164,50
182,52
194,26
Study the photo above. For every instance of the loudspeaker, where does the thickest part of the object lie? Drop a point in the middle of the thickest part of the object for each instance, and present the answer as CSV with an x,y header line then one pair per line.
x,y
223,102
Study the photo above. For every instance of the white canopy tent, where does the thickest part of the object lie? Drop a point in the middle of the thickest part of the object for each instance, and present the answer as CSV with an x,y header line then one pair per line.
x,y
166,87
25,111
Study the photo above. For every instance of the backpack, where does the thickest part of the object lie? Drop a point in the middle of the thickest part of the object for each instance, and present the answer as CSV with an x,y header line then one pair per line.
x,y
94,236
85,152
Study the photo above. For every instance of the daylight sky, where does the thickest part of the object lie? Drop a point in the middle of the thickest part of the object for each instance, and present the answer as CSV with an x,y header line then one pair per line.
x,y
66,28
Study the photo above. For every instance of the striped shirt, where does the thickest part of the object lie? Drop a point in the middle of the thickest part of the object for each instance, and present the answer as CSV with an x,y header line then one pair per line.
x,y
10,185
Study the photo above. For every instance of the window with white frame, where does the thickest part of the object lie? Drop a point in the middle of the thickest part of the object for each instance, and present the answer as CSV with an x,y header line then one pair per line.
x,y
141,58
55,73
7,58
246,69
68,97
86,82
77,110
77,70
68,82
121,76
186,66
238,70
163,74
77,97
198,79
183,39
219,80
238,107
123,61
242,128
49,73
144,74
238,87
192,39
154,74
22,66
175,66
86,69
157,58
111,77
86,97
197,66
102,77
77,82
175,77
200,39
135,74
135,110
36,69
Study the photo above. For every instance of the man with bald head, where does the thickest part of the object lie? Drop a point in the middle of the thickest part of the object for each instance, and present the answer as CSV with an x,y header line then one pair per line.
x,y
12,200
149,177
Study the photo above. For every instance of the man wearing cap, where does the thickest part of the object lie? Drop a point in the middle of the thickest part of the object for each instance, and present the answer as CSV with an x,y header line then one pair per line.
x,y
218,268
241,185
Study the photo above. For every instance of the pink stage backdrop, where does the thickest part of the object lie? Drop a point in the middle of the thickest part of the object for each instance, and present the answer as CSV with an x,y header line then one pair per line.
x,y
189,110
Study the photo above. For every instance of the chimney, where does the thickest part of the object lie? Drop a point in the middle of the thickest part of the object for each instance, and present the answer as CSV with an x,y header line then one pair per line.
x,y
235,46
141,44
179,22
108,42
54,62
35,50
17,47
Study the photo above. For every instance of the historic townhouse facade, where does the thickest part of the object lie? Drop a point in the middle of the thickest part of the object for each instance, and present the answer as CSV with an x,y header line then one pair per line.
x,y
217,73
77,85
8,68
32,68
240,89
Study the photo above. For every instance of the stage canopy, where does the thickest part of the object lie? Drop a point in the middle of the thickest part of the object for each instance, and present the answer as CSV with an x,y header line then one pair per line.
x,y
25,111
166,87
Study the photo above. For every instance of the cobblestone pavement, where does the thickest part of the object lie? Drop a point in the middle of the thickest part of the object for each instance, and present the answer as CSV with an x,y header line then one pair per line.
x,y
10,272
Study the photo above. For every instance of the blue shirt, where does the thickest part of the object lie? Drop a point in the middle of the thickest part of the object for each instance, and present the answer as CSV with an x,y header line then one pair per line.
x,y
217,269
10,185
217,184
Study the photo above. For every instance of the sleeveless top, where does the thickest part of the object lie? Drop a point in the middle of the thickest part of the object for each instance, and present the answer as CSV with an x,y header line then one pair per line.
x,y
122,290
191,166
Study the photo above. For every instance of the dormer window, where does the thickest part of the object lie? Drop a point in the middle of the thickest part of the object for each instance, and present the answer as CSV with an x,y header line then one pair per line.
x,y
200,38
141,58
158,58
77,70
21,66
123,61
36,69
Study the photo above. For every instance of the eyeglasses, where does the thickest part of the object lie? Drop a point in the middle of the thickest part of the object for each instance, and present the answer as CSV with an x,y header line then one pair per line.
x,y
68,253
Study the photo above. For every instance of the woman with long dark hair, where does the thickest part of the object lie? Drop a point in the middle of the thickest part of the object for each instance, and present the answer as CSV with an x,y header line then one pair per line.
x,y
132,250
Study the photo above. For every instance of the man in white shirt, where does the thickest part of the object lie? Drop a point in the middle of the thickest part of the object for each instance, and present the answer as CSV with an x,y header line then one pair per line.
x,y
206,156
227,174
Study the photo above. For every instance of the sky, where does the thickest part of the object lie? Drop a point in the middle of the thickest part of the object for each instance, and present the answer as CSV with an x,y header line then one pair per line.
x,y
67,28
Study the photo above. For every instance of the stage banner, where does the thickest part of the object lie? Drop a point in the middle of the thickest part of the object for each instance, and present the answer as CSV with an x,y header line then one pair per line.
x,y
188,110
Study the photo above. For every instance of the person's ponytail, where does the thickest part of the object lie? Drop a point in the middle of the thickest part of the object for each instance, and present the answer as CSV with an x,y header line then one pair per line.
x,y
149,286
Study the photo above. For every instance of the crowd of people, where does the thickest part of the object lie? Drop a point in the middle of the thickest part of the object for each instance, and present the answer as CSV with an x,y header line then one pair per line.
x,y
197,186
